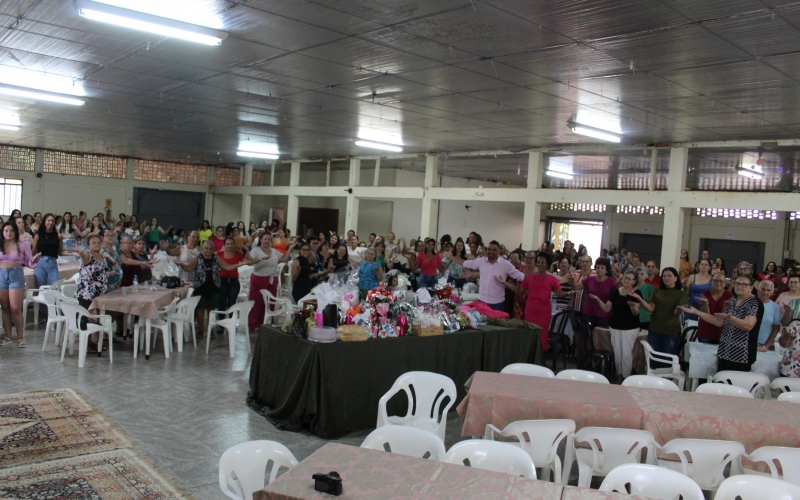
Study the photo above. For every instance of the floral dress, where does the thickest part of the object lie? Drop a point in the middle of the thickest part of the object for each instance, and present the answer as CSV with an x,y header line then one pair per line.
x,y
93,280
790,364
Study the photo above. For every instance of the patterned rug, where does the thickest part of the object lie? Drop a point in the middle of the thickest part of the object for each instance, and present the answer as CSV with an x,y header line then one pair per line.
x,y
50,424
110,475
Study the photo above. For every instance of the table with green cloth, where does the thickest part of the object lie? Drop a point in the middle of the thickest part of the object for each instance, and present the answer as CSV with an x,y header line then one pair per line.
x,y
333,389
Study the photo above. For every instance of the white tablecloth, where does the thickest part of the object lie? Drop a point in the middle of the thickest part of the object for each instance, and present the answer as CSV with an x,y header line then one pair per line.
x,y
702,360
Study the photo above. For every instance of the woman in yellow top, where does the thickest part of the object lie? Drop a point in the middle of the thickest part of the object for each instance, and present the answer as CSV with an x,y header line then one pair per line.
x,y
685,269
205,231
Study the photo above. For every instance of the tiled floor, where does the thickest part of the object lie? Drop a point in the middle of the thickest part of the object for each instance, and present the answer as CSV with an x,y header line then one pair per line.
x,y
183,411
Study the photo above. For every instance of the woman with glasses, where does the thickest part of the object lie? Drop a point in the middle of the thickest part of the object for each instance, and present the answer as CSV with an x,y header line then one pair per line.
x,y
789,301
740,322
600,285
653,276
712,302
646,291
302,275
665,308
696,284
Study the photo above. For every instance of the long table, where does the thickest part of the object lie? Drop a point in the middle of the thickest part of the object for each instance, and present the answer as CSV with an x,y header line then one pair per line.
x,y
500,399
371,474
333,389
702,359
66,270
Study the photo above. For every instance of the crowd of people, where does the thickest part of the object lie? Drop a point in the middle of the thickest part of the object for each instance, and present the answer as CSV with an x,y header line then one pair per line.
x,y
740,310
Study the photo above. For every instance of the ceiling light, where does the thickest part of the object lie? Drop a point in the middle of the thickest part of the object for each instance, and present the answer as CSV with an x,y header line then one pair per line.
x,y
597,133
13,128
147,22
253,154
559,175
751,173
379,145
40,95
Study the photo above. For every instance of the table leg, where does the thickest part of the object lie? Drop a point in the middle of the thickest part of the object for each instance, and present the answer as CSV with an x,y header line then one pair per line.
x,y
147,326
695,383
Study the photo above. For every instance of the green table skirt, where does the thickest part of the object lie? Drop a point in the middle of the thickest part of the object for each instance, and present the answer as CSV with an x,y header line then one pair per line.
x,y
333,389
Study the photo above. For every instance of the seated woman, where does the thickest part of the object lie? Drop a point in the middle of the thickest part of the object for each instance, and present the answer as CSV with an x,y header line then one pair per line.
x,y
93,276
303,275
132,265
206,284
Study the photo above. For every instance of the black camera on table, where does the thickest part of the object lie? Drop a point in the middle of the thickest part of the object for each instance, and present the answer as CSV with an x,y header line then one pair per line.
x,y
328,483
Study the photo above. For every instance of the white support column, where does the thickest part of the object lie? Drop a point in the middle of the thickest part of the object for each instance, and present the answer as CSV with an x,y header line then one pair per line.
x,y
430,207
653,164
209,211
129,187
293,206
377,171
533,209
351,214
247,180
674,214
328,174
272,175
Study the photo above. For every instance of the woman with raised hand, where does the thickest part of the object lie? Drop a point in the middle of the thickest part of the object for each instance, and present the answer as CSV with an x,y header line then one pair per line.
x,y
15,255
265,260
664,307
153,233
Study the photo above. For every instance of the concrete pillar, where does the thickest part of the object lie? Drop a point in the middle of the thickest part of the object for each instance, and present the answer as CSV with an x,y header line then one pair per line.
x,y
293,206
533,209
674,214
209,209
130,183
430,207
377,172
351,213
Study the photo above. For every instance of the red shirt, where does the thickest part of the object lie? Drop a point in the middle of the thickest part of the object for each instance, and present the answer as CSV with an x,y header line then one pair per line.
x,y
218,244
429,267
656,281
237,257
706,330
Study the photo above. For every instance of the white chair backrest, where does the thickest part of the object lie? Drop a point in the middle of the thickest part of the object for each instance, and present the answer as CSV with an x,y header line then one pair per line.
x,y
245,272
582,376
753,382
426,393
661,357
723,390
612,447
528,369
240,310
651,481
405,440
786,384
650,382
71,311
538,438
704,460
751,487
51,298
73,279
790,397
779,457
187,305
493,456
248,461
271,300
69,290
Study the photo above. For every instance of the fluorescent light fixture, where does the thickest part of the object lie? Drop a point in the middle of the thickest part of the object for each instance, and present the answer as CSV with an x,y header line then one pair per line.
x,y
39,95
379,145
597,133
13,128
751,173
253,154
559,175
158,25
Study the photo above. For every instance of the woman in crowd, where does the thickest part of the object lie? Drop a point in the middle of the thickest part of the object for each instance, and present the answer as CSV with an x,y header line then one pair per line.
x,y
265,260
303,276
653,276
624,322
37,221
333,241
69,233
14,214
665,307
382,259
93,228
646,291
205,232
280,242
429,263
740,324
721,265
229,262
93,277
112,256
453,262
185,254
512,297
23,230
47,242
601,285
392,244
370,273
15,255
562,275
206,284
339,261
241,228
132,265
323,255
251,231
769,273
80,222
789,301
696,284
685,266
153,234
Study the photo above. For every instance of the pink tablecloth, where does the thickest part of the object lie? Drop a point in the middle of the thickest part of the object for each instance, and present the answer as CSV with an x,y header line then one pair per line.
x,y
65,271
500,399
574,493
142,303
752,422
370,474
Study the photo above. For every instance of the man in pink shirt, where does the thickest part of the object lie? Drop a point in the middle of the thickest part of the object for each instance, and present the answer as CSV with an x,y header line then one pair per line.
x,y
493,293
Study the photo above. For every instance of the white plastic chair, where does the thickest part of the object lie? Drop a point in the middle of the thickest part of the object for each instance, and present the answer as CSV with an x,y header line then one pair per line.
x,y
405,440
703,460
723,390
650,382
160,323
755,383
278,305
785,458
582,376
608,448
182,314
426,392
790,397
492,456
540,440
55,317
33,297
785,384
69,290
671,372
237,312
74,314
749,487
651,481
528,369
247,463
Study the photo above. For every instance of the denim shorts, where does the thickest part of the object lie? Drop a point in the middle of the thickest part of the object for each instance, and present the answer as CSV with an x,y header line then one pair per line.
x,y
12,278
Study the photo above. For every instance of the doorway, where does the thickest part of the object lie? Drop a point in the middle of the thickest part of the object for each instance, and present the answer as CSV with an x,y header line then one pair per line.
x,y
647,245
318,219
181,209
586,232
733,252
